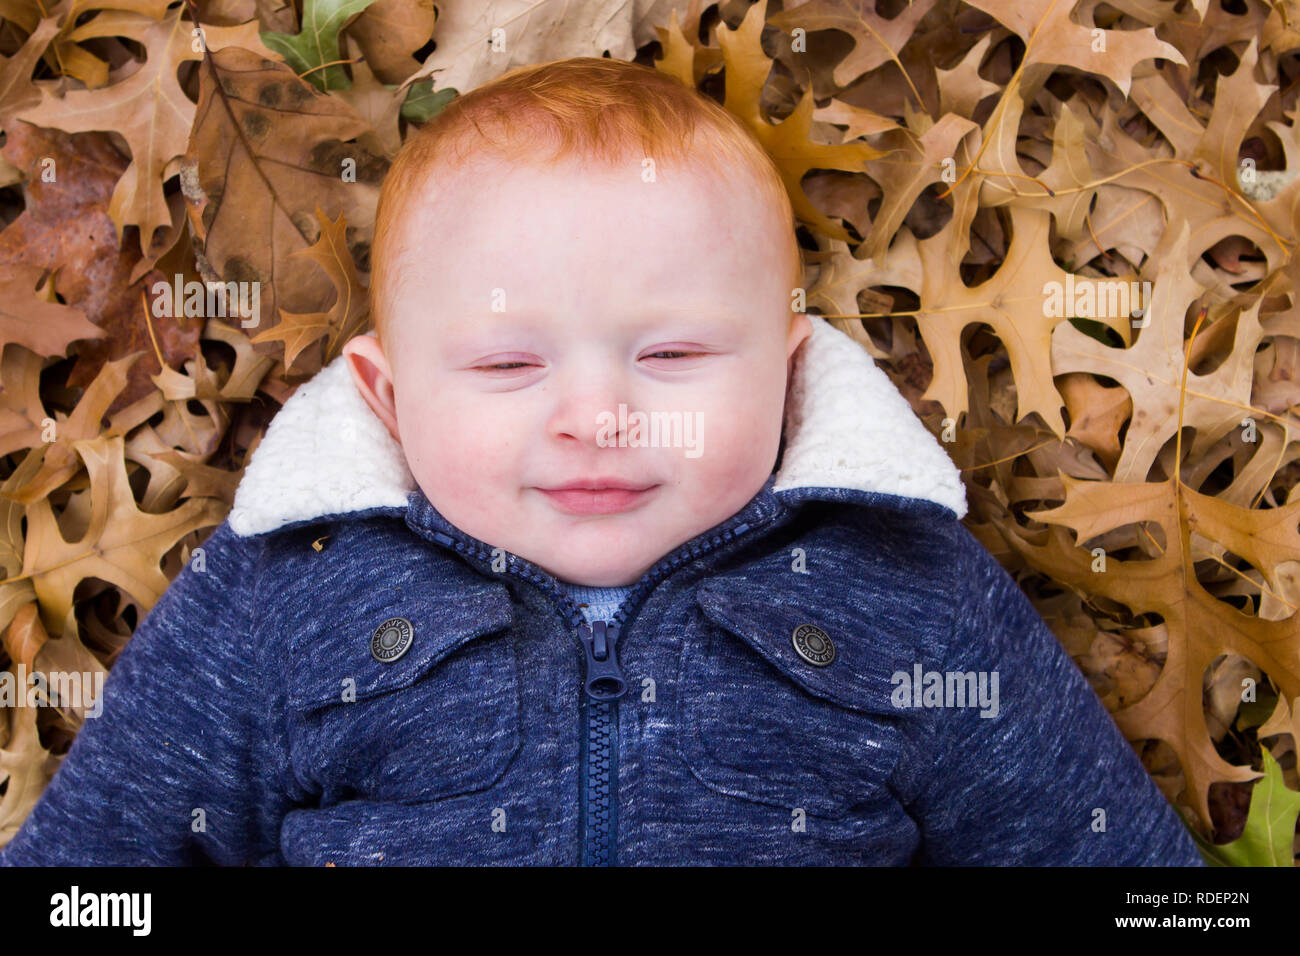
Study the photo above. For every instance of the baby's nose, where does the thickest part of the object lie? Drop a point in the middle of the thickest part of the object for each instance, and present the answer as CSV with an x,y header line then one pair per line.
x,y
596,412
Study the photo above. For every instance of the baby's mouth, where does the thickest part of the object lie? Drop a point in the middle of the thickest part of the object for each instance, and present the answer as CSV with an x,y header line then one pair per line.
x,y
597,501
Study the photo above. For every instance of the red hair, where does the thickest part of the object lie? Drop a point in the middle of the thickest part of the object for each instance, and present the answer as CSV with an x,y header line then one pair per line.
x,y
586,107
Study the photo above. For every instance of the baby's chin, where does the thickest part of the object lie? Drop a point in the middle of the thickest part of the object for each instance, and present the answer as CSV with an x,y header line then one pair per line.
x,y
581,570
587,576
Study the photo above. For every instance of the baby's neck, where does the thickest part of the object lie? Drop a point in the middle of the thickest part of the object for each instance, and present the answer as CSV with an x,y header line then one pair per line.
x,y
596,604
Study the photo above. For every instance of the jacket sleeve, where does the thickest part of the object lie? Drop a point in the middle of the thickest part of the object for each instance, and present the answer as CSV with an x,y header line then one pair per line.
x,y
176,769
1049,780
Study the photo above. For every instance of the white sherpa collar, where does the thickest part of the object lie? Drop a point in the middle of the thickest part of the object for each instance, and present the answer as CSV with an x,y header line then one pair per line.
x,y
846,426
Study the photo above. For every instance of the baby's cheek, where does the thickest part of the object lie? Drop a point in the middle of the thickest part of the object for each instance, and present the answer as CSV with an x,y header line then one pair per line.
x,y
470,450
738,441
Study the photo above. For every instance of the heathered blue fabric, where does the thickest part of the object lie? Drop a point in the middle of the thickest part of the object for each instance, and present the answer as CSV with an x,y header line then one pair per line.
x,y
228,734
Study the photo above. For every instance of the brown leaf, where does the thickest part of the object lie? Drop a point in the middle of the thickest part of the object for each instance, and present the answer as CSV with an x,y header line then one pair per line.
x,y
876,40
1052,37
389,32
148,108
25,635
66,225
1152,370
30,317
16,90
252,211
122,544
788,143
1201,627
60,461
345,318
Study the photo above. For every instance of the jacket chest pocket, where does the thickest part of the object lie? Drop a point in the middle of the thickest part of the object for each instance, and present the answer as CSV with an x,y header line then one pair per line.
x,y
438,719
757,722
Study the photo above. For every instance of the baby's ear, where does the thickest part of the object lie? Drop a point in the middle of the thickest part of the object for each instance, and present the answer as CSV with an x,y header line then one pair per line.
x,y
800,331
373,379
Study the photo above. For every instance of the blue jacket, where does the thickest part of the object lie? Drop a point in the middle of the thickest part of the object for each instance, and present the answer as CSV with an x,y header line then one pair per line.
x,y
779,704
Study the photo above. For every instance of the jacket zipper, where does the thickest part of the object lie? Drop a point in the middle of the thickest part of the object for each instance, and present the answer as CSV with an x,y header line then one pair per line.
x,y
603,685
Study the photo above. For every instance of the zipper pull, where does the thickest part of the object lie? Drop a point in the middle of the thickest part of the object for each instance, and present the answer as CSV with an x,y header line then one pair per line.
x,y
604,679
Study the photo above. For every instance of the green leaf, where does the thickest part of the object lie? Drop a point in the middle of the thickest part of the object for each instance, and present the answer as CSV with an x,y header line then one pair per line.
x,y
1270,825
422,103
318,43
1253,713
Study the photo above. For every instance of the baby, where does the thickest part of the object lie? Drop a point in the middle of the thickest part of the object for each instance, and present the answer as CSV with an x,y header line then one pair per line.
x,y
597,552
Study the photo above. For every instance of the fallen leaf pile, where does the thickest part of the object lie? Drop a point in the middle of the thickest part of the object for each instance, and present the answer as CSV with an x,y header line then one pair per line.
x,y
975,181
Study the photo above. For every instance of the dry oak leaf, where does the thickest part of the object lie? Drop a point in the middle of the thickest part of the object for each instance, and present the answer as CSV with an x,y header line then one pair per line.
x,y
201,480
16,593
23,420
24,635
266,149
22,764
1201,627
16,89
1052,37
389,32
1069,176
1280,34
60,462
148,108
31,318
168,481
1214,26
678,53
345,318
1152,369
1128,221
379,105
199,433
29,644
1285,719
1212,204
217,385
65,56
481,39
66,225
1277,375
1096,415
906,173
962,88
860,121
788,142
122,544
876,40
1012,302
841,276
69,655
683,55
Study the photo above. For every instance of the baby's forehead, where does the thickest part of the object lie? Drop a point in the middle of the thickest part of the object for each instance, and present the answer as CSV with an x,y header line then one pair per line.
x,y
445,202
444,185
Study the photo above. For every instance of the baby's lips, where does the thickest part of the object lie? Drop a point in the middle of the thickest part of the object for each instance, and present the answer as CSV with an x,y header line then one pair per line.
x,y
585,501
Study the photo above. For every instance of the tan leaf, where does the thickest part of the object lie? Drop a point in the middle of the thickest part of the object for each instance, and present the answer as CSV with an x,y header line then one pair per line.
x,y
122,545
148,108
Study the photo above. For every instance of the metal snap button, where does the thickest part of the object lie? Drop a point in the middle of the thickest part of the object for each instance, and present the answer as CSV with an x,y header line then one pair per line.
x,y
813,644
391,640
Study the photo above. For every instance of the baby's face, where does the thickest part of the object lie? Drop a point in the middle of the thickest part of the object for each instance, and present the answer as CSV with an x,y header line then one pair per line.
x,y
559,296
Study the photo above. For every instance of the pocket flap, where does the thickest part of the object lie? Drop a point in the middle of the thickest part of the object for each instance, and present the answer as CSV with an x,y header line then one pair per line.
x,y
440,623
866,658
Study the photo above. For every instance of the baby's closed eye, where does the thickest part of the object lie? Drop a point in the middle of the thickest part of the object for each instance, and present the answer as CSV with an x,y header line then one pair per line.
x,y
668,354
